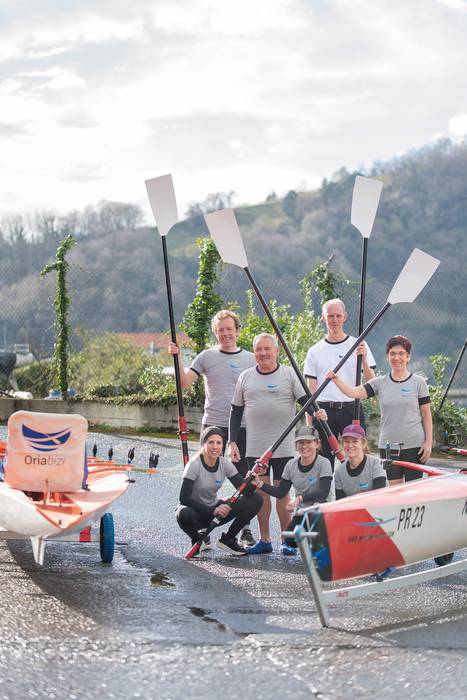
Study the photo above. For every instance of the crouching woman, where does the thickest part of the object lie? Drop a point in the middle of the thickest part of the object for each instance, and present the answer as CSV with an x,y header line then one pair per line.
x,y
199,503
311,476
361,471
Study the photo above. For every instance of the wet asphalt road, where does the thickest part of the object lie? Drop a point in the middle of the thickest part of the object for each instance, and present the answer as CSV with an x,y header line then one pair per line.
x,y
217,627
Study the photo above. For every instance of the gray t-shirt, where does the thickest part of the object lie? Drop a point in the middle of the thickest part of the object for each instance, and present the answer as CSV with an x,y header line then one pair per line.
x,y
353,481
400,402
207,483
303,481
269,401
220,371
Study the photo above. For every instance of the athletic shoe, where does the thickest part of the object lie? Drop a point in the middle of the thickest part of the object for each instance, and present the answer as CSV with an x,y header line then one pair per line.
x,y
246,538
260,548
206,544
230,545
287,550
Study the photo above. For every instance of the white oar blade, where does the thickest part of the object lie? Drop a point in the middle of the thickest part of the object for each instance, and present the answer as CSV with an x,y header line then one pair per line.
x,y
226,235
365,200
161,195
416,273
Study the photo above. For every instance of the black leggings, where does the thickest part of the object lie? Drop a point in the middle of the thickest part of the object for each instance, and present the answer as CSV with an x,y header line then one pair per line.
x,y
192,520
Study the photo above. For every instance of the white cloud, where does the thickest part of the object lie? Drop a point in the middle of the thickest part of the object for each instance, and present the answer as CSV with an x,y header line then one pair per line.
x,y
458,124
240,94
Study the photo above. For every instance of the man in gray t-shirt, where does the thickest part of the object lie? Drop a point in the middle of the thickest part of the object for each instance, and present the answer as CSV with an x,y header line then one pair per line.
x,y
266,396
220,368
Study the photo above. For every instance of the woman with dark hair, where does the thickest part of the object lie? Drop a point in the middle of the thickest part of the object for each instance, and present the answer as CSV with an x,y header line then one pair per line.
x,y
199,504
405,409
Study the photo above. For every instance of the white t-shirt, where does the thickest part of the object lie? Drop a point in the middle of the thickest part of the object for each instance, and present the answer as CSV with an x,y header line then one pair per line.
x,y
324,356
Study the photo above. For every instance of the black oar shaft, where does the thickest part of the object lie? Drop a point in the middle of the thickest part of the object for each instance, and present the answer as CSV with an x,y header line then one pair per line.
x,y
331,438
182,425
267,455
452,375
361,315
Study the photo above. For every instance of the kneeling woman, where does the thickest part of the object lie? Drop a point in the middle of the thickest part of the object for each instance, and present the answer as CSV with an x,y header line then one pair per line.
x,y
202,478
361,471
311,476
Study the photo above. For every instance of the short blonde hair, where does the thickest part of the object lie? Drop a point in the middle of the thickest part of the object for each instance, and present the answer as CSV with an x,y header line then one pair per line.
x,y
225,313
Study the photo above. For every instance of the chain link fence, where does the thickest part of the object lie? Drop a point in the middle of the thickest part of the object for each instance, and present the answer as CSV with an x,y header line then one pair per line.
x,y
112,300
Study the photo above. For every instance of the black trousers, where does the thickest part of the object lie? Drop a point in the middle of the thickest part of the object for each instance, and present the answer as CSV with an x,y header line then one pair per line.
x,y
242,465
192,520
396,472
338,419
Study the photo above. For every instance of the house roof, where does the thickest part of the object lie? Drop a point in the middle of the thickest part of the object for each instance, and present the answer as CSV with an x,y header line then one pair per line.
x,y
160,340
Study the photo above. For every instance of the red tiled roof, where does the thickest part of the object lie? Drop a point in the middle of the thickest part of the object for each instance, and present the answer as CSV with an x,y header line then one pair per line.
x,y
160,340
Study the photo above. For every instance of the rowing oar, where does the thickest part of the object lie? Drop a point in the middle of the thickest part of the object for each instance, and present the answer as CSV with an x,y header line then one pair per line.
x,y
164,207
365,200
452,375
413,277
226,235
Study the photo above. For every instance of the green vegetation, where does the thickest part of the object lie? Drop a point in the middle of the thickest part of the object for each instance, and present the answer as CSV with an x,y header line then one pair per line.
x,y
61,304
452,419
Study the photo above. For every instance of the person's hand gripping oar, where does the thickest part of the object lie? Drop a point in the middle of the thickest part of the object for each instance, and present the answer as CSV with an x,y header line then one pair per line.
x,y
164,207
226,235
365,200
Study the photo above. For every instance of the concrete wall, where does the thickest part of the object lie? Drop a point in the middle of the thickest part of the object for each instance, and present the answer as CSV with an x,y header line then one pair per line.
x,y
98,413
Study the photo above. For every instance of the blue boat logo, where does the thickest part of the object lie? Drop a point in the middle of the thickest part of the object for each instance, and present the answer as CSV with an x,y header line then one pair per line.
x,y
218,482
45,442
311,479
273,388
363,485
233,365
405,390
375,522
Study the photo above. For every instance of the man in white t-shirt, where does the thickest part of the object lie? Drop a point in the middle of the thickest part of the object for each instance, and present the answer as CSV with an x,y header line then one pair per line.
x,y
327,353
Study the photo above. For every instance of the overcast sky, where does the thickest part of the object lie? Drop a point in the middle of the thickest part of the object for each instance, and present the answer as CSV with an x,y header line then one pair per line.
x,y
247,95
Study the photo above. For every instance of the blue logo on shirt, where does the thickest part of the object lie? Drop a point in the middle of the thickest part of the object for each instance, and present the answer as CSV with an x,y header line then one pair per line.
x,y
363,485
405,391
311,478
234,366
273,388
219,482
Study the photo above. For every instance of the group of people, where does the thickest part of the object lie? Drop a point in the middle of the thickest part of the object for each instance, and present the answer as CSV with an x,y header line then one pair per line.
x,y
251,399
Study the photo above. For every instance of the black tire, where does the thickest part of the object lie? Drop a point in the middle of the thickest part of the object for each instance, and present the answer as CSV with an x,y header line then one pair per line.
x,y
107,538
444,559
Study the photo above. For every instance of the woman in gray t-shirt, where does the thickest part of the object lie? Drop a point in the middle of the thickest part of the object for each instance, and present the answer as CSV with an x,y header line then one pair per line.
x,y
199,501
405,409
361,471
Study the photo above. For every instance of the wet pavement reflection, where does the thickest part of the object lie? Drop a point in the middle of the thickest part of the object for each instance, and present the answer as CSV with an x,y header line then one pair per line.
x,y
154,625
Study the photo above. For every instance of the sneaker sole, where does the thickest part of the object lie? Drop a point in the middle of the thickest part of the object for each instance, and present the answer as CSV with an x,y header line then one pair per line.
x,y
223,546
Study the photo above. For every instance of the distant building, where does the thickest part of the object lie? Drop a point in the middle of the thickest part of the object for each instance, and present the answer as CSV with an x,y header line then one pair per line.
x,y
155,343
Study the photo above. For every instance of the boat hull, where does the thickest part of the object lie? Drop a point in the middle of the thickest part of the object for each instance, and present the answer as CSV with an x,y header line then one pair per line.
x,y
77,510
391,527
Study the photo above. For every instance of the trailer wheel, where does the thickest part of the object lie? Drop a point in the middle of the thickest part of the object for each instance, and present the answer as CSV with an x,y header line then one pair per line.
x,y
444,559
107,538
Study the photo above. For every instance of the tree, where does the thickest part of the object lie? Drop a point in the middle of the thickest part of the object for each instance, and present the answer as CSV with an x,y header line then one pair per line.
x,y
213,202
61,303
288,204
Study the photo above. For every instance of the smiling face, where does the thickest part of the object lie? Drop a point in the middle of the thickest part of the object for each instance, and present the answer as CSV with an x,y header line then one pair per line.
x,y
398,359
334,318
212,448
307,450
353,448
266,353
227,333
